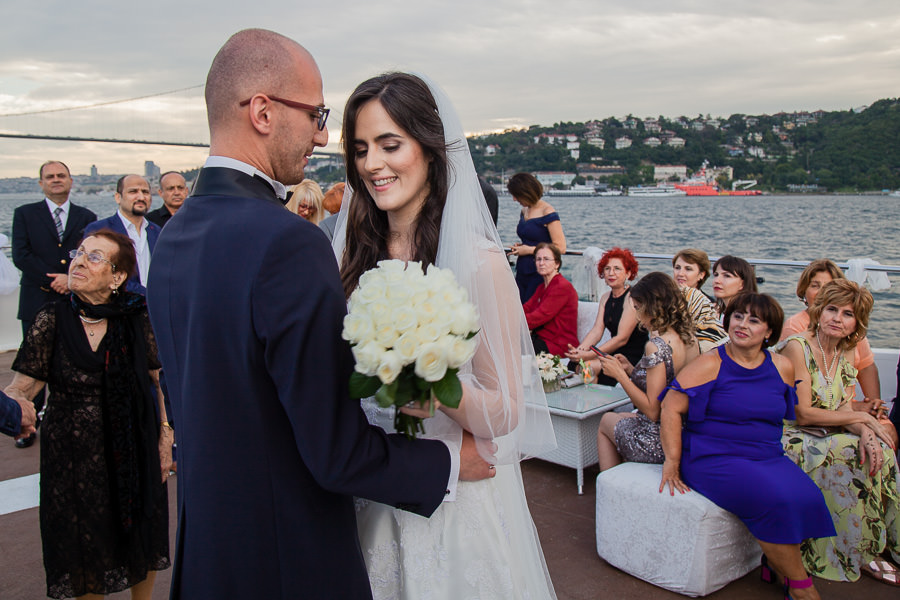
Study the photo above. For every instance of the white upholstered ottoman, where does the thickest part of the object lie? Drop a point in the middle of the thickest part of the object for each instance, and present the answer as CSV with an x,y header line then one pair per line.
x,y
685,543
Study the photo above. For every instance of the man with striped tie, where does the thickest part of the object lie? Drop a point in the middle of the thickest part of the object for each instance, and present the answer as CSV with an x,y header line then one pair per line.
x,y
43,233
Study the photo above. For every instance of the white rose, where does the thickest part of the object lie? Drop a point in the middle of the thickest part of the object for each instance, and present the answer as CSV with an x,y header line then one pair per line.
x,y
418,293
358,328
397,291
390,367
367,277
428,333
427,310
431,364
466,319
392,266
368,357
459,351
380,312
404,318
374,289
407,346
414,270
386,334
443,320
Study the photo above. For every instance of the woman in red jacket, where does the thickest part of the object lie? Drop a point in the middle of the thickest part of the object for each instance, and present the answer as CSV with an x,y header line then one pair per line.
x,y
552,312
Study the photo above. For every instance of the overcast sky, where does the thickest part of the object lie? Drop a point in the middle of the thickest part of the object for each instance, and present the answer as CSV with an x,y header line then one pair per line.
x,y
505,63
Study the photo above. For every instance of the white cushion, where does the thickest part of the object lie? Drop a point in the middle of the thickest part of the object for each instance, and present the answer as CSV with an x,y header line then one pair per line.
x,y
587,314
684,543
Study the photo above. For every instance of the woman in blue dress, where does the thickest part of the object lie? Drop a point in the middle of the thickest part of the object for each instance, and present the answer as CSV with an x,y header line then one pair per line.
x,y
538,223
732,401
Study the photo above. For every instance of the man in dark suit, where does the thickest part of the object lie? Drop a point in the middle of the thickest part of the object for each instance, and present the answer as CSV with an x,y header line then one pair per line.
x,y
247,305
43,233
133,197
173,190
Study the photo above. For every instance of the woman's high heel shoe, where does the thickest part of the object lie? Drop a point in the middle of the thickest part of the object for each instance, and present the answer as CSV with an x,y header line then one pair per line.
x,y
796,584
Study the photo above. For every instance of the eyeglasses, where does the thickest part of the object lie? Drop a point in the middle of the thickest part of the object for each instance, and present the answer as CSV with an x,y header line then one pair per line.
x,y
320,112
92,257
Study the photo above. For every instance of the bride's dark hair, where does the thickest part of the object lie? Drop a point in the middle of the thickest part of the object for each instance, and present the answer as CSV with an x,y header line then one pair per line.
x,y
409,102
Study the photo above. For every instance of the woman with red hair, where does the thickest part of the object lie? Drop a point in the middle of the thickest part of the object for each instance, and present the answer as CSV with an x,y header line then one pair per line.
x,y
617,267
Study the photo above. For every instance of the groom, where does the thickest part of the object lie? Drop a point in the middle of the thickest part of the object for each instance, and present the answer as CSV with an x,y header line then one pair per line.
x,y
247,306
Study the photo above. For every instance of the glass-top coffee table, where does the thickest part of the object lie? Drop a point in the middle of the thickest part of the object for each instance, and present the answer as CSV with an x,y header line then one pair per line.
x,y
575,414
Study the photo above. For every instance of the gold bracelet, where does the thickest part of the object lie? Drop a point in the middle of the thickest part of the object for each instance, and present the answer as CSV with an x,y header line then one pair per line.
x,y
166,425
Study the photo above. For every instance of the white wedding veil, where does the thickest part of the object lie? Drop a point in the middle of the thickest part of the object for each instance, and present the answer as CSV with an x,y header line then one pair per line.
x,y
505,402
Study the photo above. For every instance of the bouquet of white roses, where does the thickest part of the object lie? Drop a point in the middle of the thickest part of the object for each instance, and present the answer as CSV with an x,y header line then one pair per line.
x,y
550,367
410,332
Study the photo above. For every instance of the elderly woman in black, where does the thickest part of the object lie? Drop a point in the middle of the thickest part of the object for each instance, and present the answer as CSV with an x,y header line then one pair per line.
x,y
106,444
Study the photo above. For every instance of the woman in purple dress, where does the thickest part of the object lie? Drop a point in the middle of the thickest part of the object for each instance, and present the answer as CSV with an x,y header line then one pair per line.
x,y
538,223
732,402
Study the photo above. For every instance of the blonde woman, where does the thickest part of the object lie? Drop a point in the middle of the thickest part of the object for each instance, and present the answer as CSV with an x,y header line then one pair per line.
x,y
306,201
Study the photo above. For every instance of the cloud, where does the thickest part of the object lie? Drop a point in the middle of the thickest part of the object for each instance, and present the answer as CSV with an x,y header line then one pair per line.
x,y
504,62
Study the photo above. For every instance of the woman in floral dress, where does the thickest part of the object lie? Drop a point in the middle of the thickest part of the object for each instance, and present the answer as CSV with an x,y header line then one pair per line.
x,y
847,453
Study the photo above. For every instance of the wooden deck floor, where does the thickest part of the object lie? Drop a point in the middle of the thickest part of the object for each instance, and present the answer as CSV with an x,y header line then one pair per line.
x,y
564,520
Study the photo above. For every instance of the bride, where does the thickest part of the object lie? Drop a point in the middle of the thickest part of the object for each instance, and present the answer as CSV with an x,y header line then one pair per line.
x,y
412,194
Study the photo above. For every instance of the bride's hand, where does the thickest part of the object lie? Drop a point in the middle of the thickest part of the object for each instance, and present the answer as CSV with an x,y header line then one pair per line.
x,y
422,410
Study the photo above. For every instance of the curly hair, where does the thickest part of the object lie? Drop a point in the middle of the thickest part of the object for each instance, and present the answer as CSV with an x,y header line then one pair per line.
x,y
842,292
659,301
624,254
820,265
697,257
409,103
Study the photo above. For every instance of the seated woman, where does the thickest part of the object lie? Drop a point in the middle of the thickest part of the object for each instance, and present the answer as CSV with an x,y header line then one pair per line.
x,y
552,312
732,402
661,310
538,222
690,268
814,276
731,276
617,267
856,471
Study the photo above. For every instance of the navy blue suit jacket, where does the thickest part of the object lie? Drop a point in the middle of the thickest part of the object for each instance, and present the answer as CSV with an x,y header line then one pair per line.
x,y
10,415
37,250
247,307
115,223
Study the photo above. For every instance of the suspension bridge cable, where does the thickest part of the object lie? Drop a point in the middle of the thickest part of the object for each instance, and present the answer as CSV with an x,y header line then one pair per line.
x,y
52,110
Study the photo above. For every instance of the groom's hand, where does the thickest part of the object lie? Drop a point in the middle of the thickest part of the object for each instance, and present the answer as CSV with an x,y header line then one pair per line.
x,y
471,466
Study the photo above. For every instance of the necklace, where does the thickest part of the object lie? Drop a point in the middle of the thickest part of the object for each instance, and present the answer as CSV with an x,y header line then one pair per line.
x,y
830,370
91,322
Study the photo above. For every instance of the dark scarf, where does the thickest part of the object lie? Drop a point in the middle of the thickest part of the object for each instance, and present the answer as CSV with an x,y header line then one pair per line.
x,y
130,426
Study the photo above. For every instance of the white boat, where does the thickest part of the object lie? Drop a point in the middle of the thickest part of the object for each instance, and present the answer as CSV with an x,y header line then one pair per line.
x,y
661,190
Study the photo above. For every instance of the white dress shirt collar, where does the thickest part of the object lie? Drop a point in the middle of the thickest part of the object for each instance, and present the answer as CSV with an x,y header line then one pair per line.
x,y
64,215
237,165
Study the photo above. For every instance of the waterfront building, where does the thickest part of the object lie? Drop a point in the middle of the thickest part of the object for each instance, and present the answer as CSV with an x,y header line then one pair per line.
x,y
667,172
548,178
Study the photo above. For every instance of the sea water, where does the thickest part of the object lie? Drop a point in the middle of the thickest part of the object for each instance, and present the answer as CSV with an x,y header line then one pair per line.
x,y
799,228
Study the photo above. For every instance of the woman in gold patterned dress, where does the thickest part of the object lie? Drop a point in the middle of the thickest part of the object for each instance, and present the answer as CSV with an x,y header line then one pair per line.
x,y
849,454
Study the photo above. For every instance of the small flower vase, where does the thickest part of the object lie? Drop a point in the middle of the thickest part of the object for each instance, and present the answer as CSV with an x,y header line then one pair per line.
x,y
551,386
